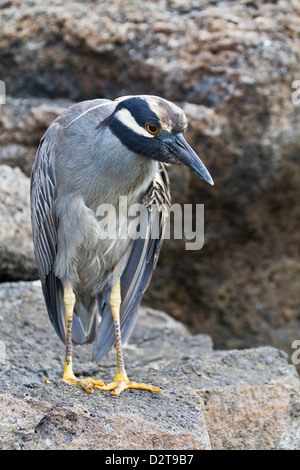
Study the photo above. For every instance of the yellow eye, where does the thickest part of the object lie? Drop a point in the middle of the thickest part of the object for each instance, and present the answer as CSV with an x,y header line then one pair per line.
x,y
152,129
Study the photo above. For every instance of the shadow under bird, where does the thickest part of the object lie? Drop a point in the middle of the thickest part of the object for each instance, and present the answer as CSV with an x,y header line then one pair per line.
x,y
93,153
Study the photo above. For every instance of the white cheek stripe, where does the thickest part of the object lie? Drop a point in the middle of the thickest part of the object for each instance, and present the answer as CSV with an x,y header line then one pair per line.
x,y
126,118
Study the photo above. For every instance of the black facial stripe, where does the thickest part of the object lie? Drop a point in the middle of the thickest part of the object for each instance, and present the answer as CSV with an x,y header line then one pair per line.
x,y
140,110
157,148
133,141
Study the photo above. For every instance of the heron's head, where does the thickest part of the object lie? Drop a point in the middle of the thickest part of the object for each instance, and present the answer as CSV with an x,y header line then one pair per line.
x,y
152,126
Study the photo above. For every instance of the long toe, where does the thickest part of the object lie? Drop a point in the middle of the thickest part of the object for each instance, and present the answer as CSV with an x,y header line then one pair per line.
x,y
119,386
87,384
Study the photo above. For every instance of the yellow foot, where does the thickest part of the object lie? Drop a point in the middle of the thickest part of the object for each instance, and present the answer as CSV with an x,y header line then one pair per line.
x,y
119,385
87,384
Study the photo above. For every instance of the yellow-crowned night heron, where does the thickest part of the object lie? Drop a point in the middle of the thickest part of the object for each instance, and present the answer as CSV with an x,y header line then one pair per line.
x,y
93,153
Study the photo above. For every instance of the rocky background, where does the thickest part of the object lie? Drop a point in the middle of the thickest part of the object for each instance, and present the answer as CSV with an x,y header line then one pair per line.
x,y
231,66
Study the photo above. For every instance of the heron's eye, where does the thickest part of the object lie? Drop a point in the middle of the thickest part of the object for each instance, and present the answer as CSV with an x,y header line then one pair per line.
x,y
152,129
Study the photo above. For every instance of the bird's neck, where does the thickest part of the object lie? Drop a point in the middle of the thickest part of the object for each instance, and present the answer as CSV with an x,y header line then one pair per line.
x,y
130,179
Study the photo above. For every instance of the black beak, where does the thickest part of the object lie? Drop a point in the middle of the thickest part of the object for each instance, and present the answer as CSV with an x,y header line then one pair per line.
x,y
183,152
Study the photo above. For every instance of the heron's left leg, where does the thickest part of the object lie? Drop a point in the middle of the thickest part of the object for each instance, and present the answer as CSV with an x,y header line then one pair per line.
x,y
121,381
68,376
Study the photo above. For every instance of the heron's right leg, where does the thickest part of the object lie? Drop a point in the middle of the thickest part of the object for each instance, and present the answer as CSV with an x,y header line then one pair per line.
x,y
121,381
68,376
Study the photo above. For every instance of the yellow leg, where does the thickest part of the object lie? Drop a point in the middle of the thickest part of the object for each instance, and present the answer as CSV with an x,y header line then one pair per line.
x,y
121,381
68,376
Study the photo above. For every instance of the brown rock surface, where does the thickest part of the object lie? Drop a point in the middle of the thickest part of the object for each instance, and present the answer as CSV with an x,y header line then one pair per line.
x,y
22,124
231,65
16,248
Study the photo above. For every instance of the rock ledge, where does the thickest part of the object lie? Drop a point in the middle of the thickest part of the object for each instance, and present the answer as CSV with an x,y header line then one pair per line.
x,y
238,399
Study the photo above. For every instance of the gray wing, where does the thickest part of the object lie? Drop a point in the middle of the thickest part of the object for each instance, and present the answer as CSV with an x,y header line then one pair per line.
x,y
140,266
44,225
44,231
